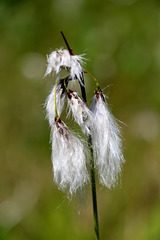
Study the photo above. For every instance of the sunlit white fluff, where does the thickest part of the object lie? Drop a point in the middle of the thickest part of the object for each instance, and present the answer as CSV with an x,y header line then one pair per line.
x,y
68,158
81,113
61,59
107,146
50,103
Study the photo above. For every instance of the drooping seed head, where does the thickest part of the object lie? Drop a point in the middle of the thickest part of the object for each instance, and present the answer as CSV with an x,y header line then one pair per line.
x,y
68,159
106,142
81,113
61,59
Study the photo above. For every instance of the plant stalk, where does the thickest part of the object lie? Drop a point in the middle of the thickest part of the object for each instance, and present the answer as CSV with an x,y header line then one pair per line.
x,y
92,172
94,196
92,169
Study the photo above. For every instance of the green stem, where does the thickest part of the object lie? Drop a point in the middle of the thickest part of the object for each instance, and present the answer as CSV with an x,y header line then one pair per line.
x,y
94,197
95,80
93,180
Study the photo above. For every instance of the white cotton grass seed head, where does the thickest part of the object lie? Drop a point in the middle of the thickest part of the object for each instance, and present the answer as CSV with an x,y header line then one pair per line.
x,y
50,103
82,115
61,59
107,145
68,159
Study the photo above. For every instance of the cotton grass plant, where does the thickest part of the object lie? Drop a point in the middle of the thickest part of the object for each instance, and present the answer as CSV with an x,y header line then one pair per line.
x,y
74,160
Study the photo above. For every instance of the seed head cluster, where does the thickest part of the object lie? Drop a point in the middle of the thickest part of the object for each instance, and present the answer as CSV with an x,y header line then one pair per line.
x,y
70,153
61,59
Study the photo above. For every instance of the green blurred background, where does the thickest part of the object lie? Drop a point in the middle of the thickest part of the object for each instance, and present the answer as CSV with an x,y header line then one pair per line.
x,y
121,39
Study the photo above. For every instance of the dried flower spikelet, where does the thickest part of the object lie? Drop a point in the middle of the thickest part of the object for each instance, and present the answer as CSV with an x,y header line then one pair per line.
x,y
50,103
68,158
82,115
107,145
61,59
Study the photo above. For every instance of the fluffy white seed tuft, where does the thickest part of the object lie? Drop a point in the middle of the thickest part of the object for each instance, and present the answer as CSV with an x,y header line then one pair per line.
x,y
106,142
50,104
82,115
61,59
68,158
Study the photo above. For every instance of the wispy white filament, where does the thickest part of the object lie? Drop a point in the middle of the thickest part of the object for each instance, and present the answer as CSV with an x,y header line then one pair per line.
x,y
50,104
61,59
107,146
68,158
81,113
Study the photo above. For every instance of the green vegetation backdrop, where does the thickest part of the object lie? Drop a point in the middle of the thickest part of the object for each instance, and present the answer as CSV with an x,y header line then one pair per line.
x,y
121,39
